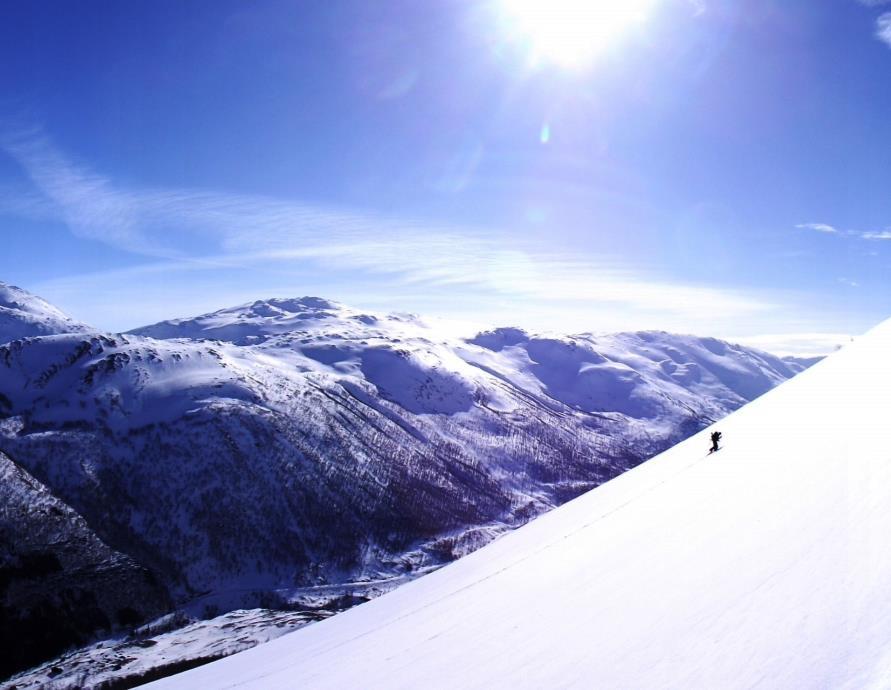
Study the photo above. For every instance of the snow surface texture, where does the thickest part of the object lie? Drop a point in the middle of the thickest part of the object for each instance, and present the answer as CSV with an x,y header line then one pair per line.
x,y
763,565
322,447
23,314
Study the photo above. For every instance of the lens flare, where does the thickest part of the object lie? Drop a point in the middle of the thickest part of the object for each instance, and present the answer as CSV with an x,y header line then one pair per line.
x,y
571,33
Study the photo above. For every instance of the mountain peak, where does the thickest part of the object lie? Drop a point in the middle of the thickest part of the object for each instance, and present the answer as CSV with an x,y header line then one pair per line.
x,y
278,307
252,322
23,314
302,303
499,338
14,297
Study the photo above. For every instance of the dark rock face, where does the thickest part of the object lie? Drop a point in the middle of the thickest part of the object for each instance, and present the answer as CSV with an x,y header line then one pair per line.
x,y
59,584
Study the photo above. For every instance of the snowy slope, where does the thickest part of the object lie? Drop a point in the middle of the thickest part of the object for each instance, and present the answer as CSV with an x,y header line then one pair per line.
x,y
764,565
23,314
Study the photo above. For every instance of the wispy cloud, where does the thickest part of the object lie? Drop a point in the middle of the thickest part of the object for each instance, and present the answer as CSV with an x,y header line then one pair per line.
x,y
858,234
883,22
195,230
180,223
87,202
818,227
883,28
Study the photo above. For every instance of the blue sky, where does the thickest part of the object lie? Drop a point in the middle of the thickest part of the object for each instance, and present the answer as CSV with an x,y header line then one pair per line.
x,y
719,168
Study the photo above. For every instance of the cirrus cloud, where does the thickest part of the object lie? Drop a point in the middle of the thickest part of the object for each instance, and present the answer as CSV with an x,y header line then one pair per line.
x,y
817,227
199,229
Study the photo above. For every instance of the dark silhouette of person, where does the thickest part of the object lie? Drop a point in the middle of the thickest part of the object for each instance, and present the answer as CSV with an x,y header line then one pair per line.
x,y
716,436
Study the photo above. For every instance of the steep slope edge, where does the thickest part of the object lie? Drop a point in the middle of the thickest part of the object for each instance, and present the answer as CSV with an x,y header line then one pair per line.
x,y
764,564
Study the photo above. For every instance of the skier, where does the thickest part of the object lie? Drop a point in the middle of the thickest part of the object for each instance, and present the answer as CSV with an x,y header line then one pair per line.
x,y
716,436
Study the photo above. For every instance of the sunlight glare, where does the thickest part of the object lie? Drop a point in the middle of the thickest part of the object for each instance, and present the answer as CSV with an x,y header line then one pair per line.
x,y
571,33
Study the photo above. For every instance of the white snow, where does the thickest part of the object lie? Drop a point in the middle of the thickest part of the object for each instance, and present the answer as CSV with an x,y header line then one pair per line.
x,y
764,565
425,371
23,315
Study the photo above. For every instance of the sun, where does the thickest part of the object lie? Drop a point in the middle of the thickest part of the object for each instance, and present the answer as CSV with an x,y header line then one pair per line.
x,y
571,33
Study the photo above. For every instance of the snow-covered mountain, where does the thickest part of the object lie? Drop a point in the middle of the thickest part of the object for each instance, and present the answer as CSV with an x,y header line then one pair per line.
x,y
258,321
311,448
765,565
23,314
607,373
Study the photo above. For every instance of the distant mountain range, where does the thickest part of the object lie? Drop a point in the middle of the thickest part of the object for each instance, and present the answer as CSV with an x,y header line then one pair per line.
x,y
288,450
